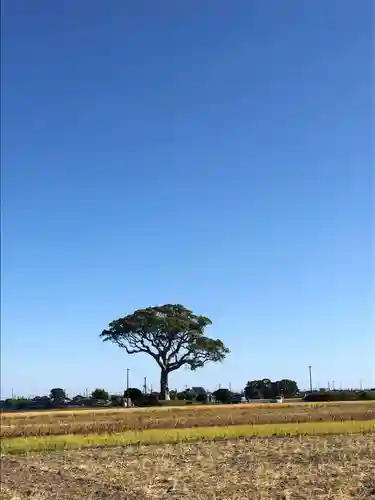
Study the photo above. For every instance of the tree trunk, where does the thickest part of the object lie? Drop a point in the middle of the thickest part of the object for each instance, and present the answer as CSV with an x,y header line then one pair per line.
x,y
164,390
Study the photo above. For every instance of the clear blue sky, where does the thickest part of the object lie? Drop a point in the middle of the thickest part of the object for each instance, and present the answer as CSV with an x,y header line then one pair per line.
x,y
216,154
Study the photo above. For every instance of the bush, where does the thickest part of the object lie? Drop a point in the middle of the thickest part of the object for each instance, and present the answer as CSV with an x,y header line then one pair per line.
x,y
323,396
116,400
173,402
148,400
187,395
153,400
134,394
19,403
367,396
201,398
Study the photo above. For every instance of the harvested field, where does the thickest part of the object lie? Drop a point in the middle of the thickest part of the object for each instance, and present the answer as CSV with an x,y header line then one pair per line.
x,y
116,421
310,467
20,445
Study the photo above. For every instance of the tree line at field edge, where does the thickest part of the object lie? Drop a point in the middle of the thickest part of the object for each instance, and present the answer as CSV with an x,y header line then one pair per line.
x,y
58,399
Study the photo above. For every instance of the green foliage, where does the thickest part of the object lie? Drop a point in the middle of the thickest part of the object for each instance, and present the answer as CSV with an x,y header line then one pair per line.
x,y
322,396
285,387
18,403
258,389
252,392
21,403
116,400
134,394
223,395
367,395
171,334
41,402
195,395
173,402
236,398
186,395
148,400
78,400
58,395
100,394
201,398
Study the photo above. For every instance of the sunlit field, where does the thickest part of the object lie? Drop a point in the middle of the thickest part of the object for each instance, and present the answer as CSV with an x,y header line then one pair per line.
x,y
338,467
119,420
303,451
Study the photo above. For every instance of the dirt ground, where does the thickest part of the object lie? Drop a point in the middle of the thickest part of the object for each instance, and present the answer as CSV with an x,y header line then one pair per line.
x,y
319,468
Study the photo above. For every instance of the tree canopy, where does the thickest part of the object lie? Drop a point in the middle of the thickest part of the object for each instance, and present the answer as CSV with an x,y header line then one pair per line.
x,y
133,393
223,395
171,334
58,395
257,389
100,394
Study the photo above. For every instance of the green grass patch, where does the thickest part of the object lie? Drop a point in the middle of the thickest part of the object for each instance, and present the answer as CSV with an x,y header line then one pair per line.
x,y
164,436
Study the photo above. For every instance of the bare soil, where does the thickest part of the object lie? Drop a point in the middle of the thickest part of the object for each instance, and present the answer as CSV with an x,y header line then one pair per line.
x,y
304,468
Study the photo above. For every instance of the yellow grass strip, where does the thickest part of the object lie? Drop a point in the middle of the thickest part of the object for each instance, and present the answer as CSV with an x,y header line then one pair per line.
x,y
164,436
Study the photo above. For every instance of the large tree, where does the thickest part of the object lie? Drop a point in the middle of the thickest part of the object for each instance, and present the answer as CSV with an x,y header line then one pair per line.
x,y
58,395
171,334
267,389
100,394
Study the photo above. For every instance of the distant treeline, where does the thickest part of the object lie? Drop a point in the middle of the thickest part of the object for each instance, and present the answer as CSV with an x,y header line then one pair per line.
x,y
321,396
263,389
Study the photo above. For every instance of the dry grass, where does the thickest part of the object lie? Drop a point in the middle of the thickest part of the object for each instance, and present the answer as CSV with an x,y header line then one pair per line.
x,y
303,468
116,421
21,445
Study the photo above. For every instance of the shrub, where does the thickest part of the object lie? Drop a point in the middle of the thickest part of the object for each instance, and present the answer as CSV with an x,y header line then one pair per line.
x,y
148,400
322,396
19,403
78,400
134,394
367,396
173,402
116,400
188,394
201,398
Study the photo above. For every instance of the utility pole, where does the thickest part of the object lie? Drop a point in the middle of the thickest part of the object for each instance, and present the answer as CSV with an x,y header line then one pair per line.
x,y
145,385
310,378
127,387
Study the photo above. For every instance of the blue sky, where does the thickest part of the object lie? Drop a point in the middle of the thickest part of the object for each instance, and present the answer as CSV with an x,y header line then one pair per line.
x,y
216,154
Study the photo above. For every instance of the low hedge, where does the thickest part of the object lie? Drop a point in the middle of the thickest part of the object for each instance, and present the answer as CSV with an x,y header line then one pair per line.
x,y
322,396
153,400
